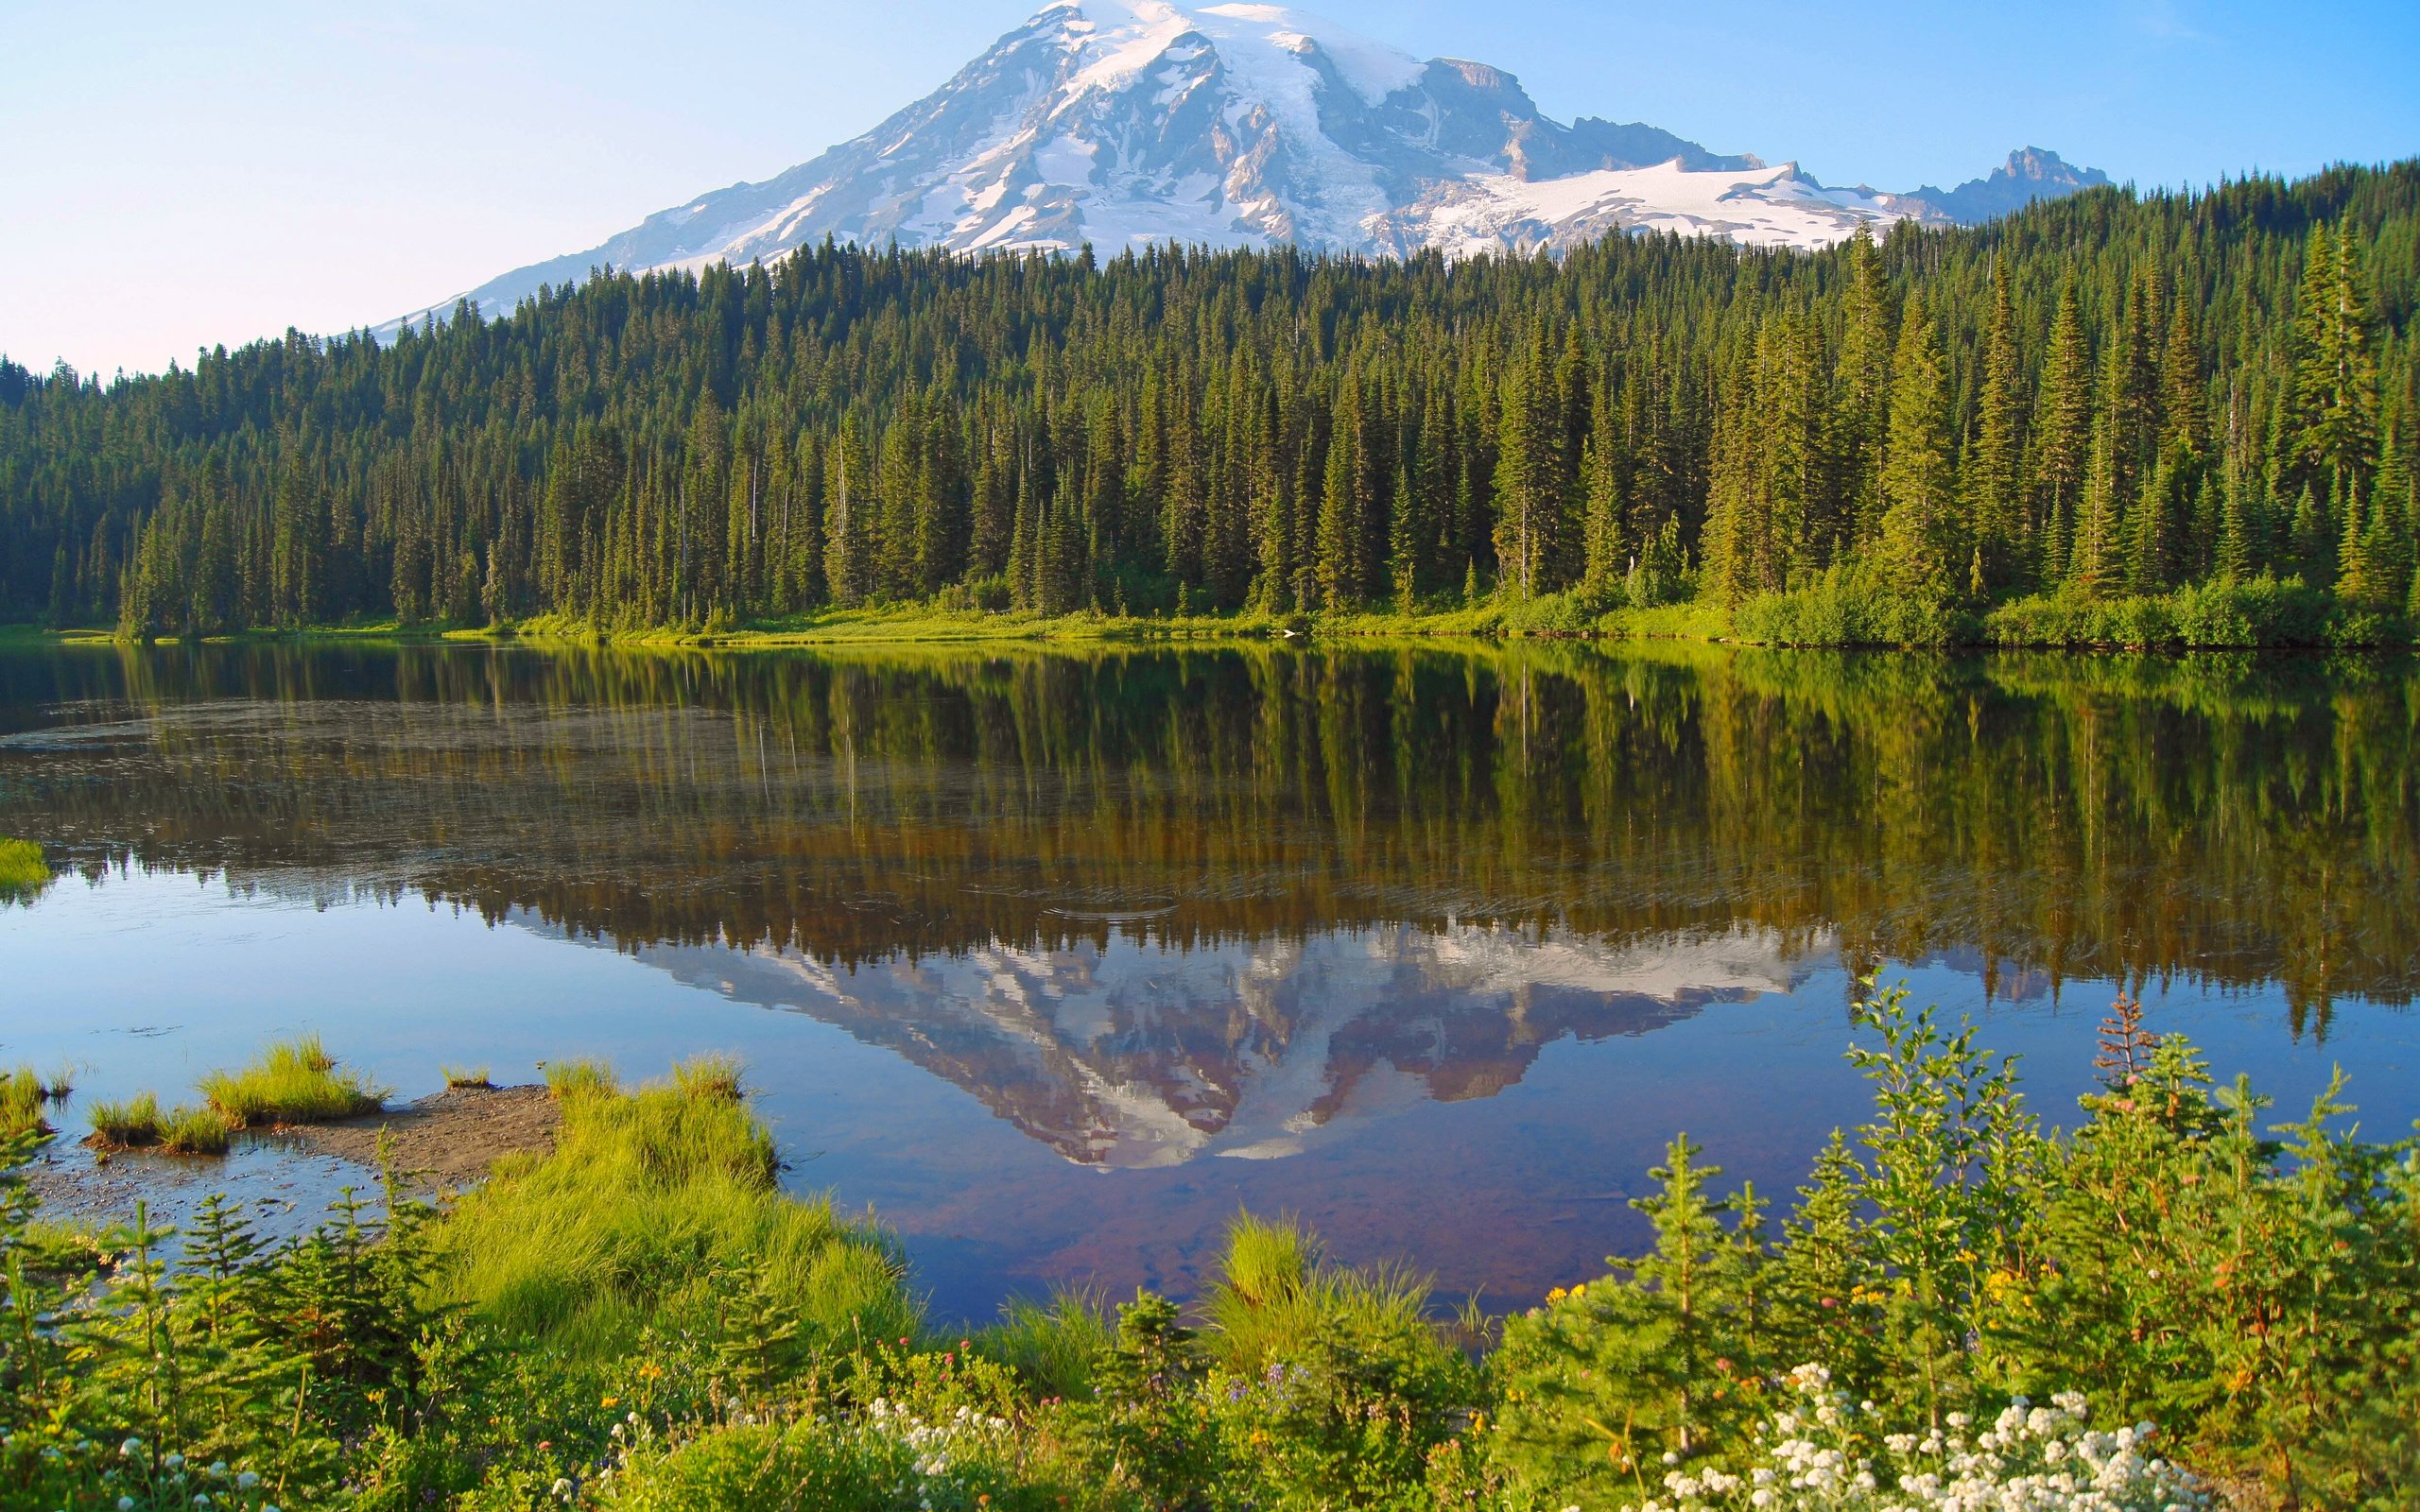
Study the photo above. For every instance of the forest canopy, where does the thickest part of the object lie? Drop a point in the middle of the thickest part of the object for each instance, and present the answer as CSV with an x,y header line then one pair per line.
x,y
2111,395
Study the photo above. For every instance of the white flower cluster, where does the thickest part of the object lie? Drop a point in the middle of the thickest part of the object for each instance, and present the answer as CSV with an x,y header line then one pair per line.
x,y
937,1446
1823,1455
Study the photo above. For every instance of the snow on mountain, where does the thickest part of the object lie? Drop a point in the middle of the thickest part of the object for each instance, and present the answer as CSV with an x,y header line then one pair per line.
x,y
1116,123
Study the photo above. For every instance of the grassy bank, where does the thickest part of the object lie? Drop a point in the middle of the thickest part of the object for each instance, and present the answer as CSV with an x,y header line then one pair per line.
x,y
643,1319
1846,608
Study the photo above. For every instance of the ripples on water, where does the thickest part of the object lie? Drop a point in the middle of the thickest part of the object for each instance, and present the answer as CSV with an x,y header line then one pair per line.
x,y
1072,954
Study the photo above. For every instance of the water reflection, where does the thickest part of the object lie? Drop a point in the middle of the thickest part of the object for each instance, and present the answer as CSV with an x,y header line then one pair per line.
x,y
1433,945
2241,821
1128,1054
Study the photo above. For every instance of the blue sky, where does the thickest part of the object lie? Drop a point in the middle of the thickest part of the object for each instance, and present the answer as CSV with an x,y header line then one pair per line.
x,y
179,173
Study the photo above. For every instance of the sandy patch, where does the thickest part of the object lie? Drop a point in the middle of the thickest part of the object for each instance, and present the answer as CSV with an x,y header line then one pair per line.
x,y
448,1140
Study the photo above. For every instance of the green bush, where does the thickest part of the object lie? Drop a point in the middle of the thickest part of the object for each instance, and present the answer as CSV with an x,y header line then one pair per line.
x,y
1850,604
2219,616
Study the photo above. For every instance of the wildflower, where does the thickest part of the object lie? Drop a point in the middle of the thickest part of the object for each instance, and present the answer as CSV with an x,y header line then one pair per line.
x,y
174,1462
561,1487
125,1504
609,1403
248,1480
131,1448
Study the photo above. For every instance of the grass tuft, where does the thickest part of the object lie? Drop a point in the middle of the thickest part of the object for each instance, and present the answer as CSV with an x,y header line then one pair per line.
x,y
1051,1345
21,1104
293,1081
128,1125
709,1075
1276,1291
473,1078
646,1205
193,1131
572,1080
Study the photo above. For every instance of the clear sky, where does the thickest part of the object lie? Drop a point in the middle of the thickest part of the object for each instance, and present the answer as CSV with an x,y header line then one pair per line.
x,y
179,173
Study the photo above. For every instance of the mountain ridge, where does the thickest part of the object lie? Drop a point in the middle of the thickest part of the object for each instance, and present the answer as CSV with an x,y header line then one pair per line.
x,y
1117,122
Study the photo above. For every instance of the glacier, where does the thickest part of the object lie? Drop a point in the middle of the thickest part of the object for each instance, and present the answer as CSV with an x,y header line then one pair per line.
x,y
1115,124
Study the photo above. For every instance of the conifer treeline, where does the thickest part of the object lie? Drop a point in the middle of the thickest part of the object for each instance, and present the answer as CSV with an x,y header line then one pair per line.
x,y
2104,394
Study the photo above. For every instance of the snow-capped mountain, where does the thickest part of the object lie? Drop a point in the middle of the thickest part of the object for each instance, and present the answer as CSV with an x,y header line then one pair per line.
x,y
1115,122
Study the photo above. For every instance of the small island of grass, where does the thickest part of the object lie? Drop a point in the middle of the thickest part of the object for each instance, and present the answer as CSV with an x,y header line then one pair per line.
x,y
294,1081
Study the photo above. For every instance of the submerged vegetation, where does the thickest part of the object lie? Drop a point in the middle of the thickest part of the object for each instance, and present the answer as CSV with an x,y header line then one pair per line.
x,y
1961,1309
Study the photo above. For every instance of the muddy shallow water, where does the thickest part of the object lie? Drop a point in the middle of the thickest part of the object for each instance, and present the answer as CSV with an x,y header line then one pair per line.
x,y
1057,959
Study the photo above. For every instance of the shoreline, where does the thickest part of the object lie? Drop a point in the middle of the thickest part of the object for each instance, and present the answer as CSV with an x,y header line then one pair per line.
x,y
445,1141
875,629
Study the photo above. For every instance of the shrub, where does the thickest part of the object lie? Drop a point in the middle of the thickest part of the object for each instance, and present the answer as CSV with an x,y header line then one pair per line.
x,y
1828,1453
1850,604
2222,615
293,1081
471,1078
888,1459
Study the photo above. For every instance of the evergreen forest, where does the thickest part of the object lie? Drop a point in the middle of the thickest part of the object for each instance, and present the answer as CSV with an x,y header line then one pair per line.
x,y
2199,400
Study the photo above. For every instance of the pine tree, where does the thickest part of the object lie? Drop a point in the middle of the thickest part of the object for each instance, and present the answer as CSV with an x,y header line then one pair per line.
x,y
1994,512
1918,543
1603,550
1865,390
2062,437
2334,413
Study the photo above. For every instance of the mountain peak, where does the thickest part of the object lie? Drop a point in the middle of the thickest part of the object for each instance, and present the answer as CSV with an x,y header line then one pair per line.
x,y
2030,174
1116,123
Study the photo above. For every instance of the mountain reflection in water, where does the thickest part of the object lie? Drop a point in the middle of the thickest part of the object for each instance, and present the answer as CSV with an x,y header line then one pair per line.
x,y
1430,945
1131,1054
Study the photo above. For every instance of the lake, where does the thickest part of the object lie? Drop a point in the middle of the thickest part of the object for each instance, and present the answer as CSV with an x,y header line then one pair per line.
x,y
1056,958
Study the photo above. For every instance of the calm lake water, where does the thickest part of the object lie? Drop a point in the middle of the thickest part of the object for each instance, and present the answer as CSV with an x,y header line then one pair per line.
x,y
1057,959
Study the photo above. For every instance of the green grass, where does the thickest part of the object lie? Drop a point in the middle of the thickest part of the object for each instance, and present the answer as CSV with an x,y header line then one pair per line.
x,y
138,1124
1276,1290
294,1081
648,1205
193,1131
21,1102
127,1124
709,1075
572,1080
1051,1345
473,1078
23,870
